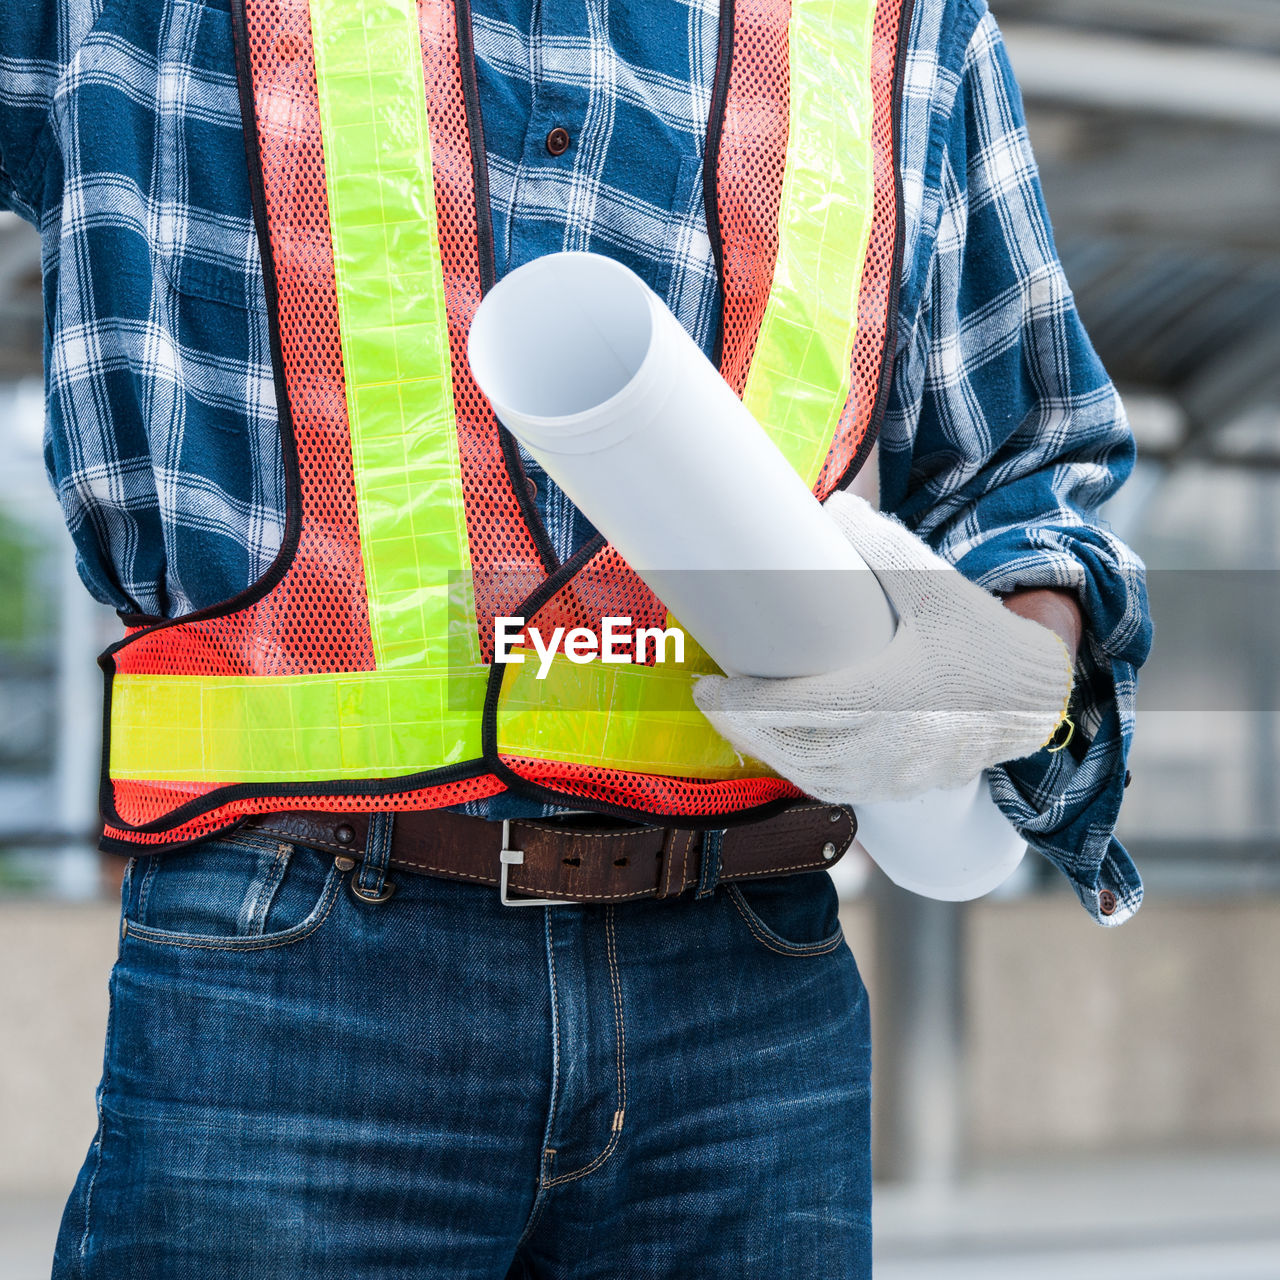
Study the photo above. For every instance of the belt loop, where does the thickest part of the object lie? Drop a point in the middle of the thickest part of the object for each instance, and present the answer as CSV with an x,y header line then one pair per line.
x,y
712,844
675,861
371,883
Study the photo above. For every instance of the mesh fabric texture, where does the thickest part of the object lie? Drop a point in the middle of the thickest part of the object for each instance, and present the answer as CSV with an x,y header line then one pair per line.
x,y
653,793
750,164
145,802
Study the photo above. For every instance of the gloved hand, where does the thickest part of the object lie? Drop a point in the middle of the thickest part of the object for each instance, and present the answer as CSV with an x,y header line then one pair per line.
x,y
964,684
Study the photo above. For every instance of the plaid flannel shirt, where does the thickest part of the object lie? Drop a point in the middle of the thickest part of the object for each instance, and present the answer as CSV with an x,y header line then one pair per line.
x,y
120,139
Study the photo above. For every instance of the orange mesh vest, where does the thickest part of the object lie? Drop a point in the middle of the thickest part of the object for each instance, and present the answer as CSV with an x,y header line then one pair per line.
x,y
358,674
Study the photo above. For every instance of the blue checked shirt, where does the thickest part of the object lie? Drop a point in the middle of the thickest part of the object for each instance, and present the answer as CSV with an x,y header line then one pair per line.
x,y
120,139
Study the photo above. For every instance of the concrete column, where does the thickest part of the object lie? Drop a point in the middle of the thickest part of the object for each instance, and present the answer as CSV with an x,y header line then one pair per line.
x,y
917,1044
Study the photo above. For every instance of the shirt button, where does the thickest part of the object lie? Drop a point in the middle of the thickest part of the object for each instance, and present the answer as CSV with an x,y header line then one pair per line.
x,y
1107,902
558,141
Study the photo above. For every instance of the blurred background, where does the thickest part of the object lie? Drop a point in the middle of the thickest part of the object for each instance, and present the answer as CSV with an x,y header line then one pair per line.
x,y
1052,1100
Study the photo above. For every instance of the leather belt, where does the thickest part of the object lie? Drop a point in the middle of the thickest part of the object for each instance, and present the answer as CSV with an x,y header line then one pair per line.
x,y
581,858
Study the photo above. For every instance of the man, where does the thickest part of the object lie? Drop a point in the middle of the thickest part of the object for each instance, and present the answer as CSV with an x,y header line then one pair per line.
x,y
333,1048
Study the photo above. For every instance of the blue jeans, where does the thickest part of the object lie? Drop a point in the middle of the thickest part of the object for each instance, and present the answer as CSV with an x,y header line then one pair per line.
x,y
298,1083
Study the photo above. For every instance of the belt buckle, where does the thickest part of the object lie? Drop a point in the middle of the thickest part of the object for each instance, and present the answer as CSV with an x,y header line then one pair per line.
x,y
510,857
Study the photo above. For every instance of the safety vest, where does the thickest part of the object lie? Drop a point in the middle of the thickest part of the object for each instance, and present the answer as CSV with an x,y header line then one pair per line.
x,y
357,675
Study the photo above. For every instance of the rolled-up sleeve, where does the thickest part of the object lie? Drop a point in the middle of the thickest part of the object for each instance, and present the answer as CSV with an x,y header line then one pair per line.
x,y
1002,437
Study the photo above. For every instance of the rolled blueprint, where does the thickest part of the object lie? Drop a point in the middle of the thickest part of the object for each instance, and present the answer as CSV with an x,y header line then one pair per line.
x,y
590,371
597,379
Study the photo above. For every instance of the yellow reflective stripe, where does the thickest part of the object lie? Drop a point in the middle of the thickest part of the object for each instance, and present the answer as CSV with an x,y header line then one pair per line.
x,y
642,719
312,728
395,337
799,376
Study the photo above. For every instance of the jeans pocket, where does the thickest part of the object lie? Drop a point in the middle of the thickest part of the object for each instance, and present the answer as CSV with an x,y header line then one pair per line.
x,y
239,892
794,915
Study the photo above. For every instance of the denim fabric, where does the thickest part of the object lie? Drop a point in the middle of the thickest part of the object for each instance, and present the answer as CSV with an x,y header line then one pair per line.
x,y
298,1083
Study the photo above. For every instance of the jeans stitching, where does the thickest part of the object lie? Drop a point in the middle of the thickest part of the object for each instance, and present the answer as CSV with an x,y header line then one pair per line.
x,y
615,979
97,1164
240,839
555,1012
373,866
101,1135
545,1156
267,890
778,944
540,1201
709,863
144,885
620,1042
298,932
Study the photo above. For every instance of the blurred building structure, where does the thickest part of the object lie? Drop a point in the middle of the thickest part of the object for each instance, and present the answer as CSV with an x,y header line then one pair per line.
x,y
1011,1029
1156,124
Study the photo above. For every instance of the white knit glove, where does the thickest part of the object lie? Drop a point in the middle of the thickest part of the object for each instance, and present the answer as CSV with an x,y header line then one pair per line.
x,y
964,684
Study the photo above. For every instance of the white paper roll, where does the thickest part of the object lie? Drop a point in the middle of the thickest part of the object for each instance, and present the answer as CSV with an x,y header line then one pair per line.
x,y
591,372
952,845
